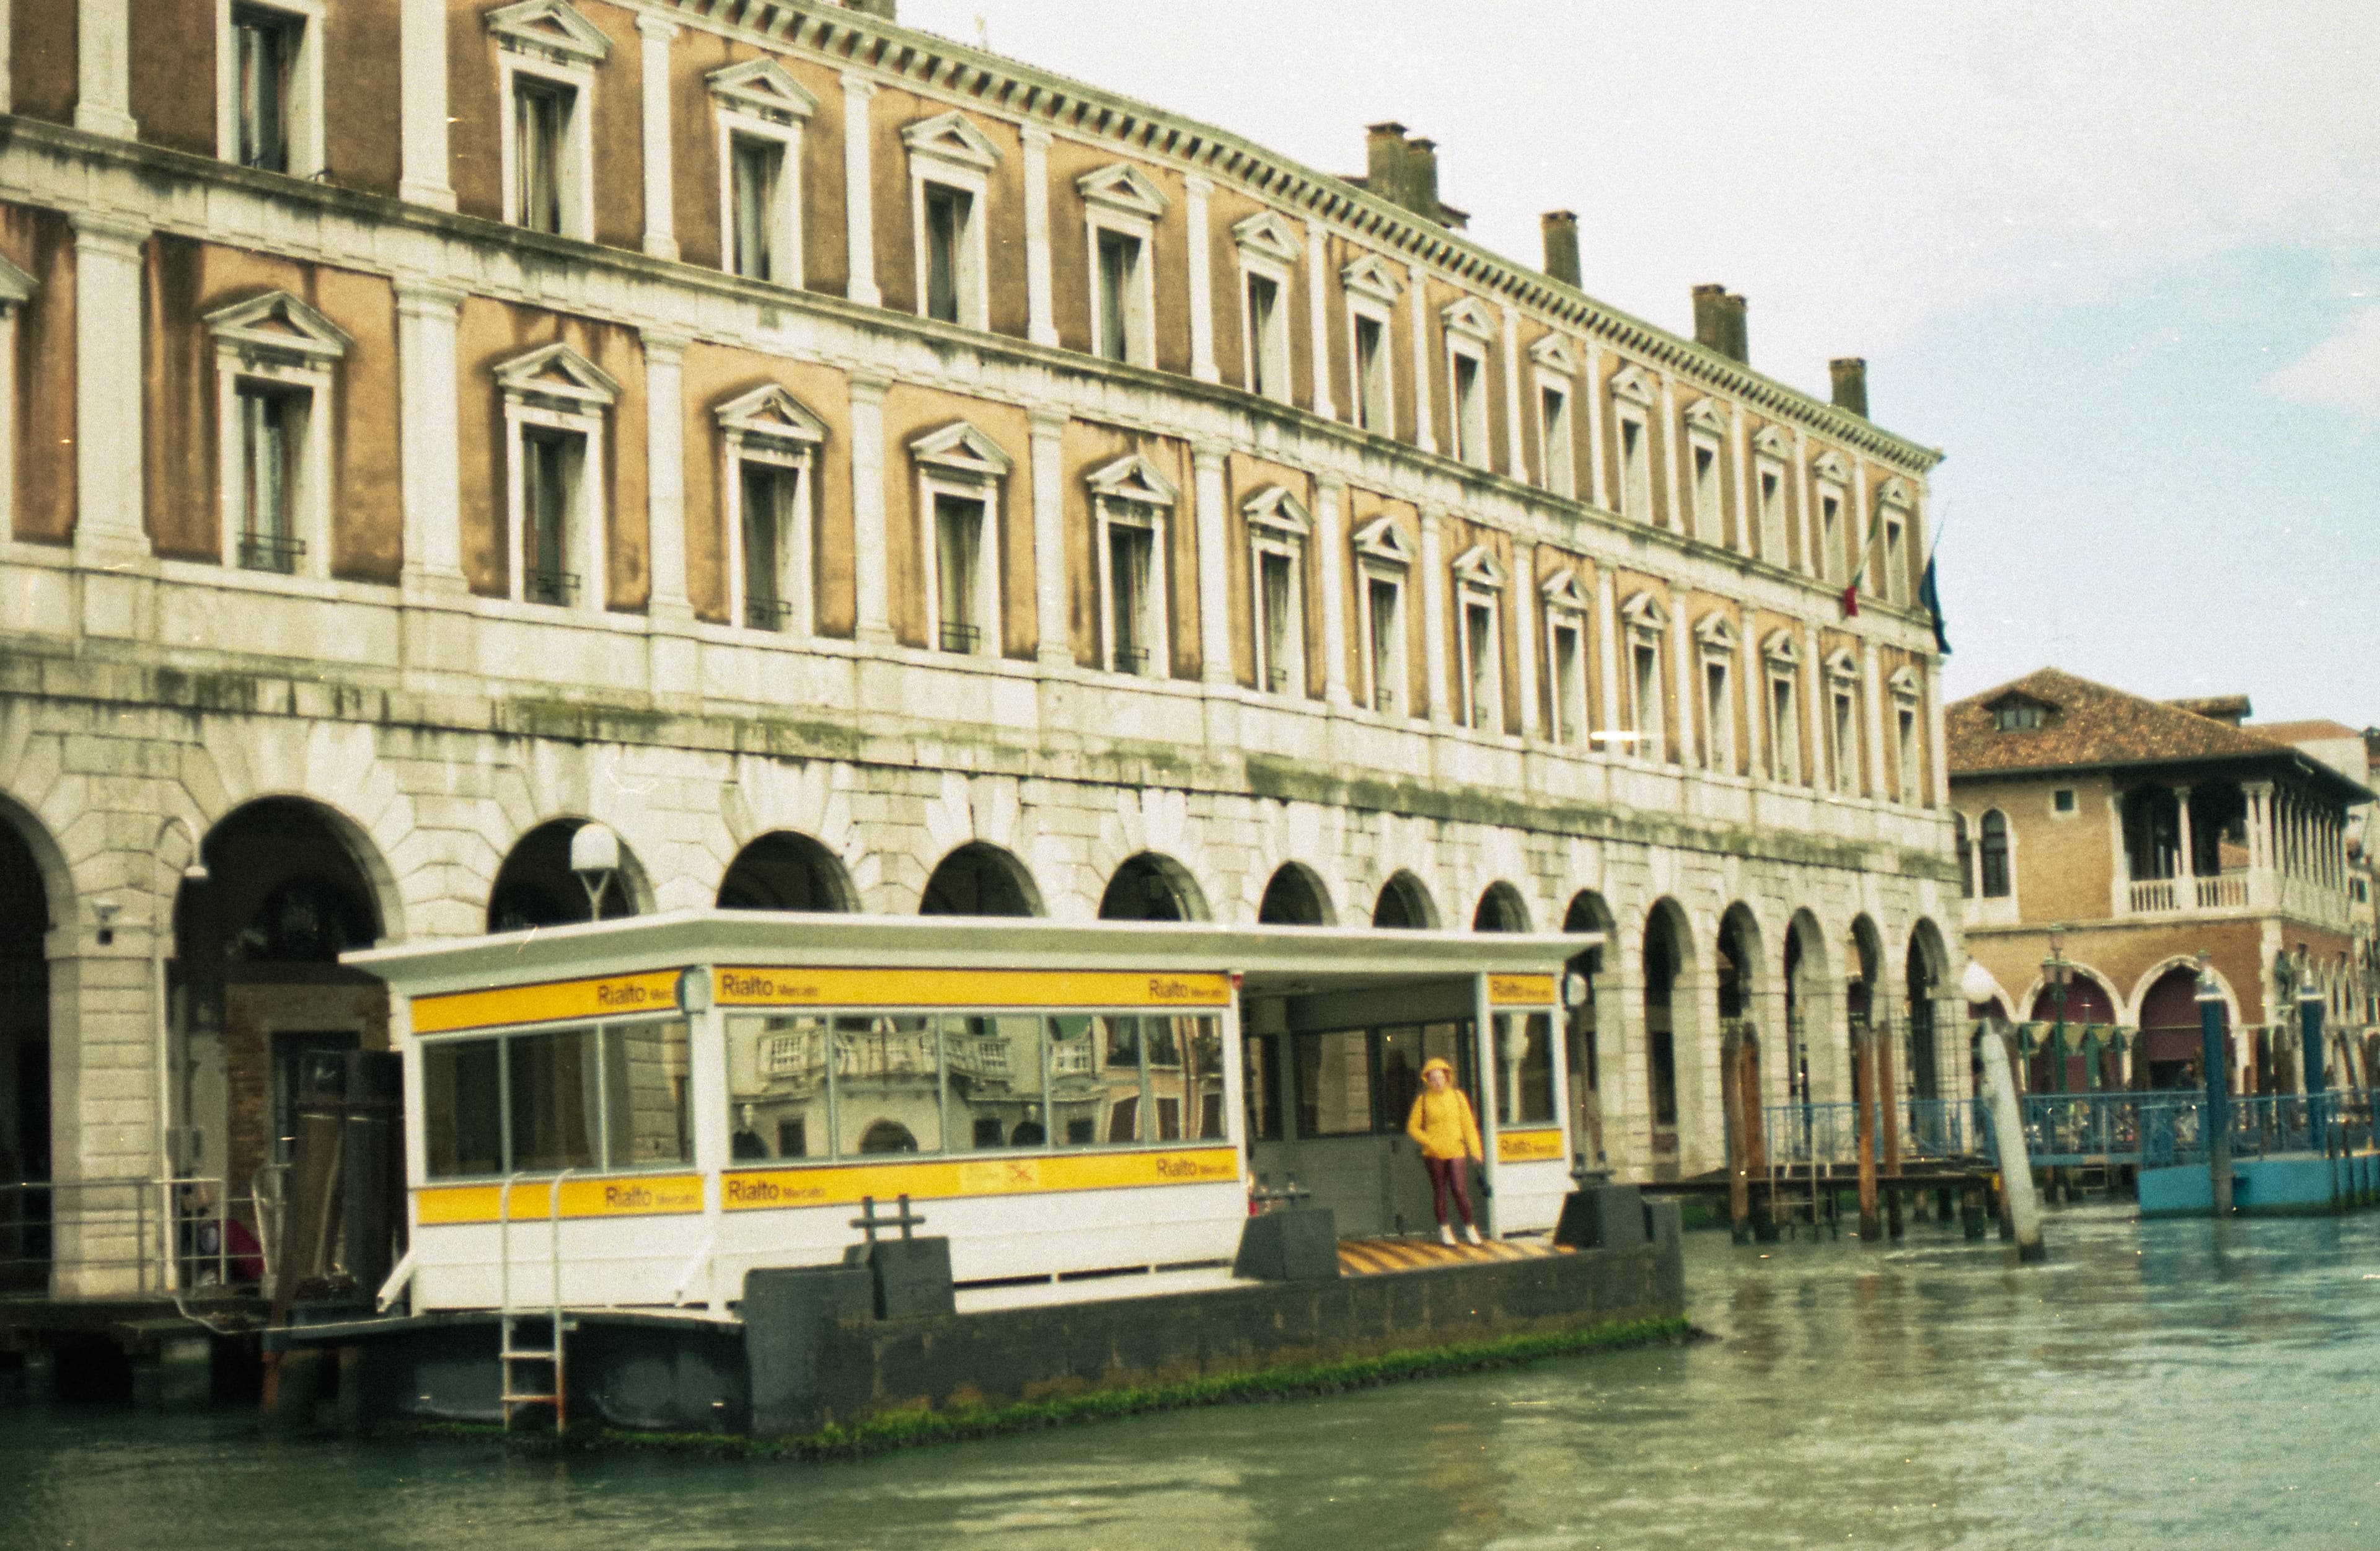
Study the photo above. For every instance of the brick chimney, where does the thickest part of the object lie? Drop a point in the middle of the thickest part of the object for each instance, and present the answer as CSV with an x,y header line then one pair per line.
x,y
1719,323
1562,245
1404,172
1849,374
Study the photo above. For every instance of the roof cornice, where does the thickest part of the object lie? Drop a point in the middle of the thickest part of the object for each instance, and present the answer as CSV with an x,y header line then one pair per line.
x,y
954,71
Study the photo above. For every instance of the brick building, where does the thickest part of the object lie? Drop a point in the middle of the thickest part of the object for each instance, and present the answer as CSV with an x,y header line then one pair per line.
x,y
2143,832
869,473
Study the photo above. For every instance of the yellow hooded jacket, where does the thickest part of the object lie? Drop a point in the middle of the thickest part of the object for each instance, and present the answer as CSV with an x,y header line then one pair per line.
x,y
1441,1124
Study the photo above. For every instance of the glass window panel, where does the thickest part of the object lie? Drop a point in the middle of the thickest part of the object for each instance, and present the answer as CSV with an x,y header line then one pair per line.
x,y
1097,1090
645,1080
1185,1076
554,1084
1525,1078
887,1085
1334,1083
755,171
946,217
462,1098
995,1095
777,1087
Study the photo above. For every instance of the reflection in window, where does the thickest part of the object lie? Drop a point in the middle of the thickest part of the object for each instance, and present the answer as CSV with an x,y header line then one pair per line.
x,y
1524,1080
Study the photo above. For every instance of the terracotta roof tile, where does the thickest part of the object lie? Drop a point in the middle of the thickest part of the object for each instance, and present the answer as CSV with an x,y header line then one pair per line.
x,y
2089,724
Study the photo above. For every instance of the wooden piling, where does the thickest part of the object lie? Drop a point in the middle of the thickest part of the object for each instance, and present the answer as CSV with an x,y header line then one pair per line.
x,y
1755,1133
1887,1101
1739,1172
1871,1226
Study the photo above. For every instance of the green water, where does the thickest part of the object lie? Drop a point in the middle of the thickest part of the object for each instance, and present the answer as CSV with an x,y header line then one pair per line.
x,y
2157,1386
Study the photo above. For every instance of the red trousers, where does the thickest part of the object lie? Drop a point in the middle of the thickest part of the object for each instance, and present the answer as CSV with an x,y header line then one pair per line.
x,y
1448,1175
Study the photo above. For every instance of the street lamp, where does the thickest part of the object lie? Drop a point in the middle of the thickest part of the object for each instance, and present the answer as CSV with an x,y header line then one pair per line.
x,y
2057,971
594,856
161,926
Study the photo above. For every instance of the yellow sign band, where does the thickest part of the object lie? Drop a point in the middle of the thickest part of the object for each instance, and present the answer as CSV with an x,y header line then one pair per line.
x,y
632,1195
1529,1146
779,987
609,997
1521,990
763,1190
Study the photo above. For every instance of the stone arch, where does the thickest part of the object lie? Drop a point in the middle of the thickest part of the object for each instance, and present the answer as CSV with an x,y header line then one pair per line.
x,y
2165,1010
1296,896
980,879
1810,996
1151,886
786,870
1666,947
1926,972
1404,904
53,876
1741,969
1501,909
1592,1020
810,799
534,885
36,900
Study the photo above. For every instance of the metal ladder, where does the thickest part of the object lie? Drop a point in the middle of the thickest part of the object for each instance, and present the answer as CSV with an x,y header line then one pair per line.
x,y
529,1374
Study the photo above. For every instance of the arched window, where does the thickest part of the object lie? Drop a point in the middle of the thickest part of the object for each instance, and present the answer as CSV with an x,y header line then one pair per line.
x,y
1996,866
888,1136
1966,856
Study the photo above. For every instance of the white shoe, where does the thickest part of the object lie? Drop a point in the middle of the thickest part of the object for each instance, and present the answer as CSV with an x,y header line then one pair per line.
x,y
1471,1231
1446,1235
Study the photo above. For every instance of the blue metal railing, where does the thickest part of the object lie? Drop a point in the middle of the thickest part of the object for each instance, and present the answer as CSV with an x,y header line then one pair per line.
x,y
2065,1131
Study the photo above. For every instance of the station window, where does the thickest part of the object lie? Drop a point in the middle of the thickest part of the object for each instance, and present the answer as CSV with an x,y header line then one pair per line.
x,y
855,1085
604,1097
1363,1082
1525,1069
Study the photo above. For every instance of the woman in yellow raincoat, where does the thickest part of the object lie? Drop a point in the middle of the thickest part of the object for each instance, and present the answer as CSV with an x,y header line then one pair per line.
x,y
1443,1126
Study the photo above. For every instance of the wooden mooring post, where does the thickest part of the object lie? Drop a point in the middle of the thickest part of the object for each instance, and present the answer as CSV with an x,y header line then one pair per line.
x,y
1871,1226
1888,1099
1739,1170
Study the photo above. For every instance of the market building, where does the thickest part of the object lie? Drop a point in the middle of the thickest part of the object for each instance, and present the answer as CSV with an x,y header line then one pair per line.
x,y
869,474
2123,837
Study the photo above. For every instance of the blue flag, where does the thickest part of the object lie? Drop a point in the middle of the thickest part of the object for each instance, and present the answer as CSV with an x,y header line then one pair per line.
x,y
1931,597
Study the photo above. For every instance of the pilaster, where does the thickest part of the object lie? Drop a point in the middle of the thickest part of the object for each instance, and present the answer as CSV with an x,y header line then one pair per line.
x,y
427,423
1605,717
858,192
1331,573
665,475
103,68
1417,312
109,515
1318,282
1053,646
422,82
1433,619
1041,324
1523,608
869,578
1214,571
1516,462
1200,238
661,210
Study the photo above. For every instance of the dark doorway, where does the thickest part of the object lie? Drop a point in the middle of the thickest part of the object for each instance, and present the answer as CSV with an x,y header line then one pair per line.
x,y
536,886
1403,905
1293,898
979,879
1149,887
782,871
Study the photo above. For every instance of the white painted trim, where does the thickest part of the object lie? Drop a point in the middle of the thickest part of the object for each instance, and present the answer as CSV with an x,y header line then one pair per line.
x,y
1140,298
1261,243
960,461
577,404
949,151
578,152
1278,525
1472,442
1108,514
1557,437
304,109
731,119
770,427
299,357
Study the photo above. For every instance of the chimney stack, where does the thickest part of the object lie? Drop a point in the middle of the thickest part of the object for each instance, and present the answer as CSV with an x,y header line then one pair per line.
x,y
1421,177
1719,323
1562,245
1404,172
1849,374
883,9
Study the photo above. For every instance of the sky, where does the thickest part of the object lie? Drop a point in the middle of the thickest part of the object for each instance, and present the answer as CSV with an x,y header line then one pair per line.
x,y
2120,262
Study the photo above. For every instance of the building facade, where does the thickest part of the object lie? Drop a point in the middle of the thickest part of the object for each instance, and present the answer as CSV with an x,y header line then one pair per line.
x,y
868,474
2128,836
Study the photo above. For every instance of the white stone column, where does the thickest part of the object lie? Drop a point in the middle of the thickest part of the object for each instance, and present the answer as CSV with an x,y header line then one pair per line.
x,y
1606,716
858,192
1200,239
1516,465
103,68
1214,571
1743,514
1523,605
1054,645
421,81
1331,570
1417,307
1040,316
1753,696
428,426
1816,713
1596,494
1681,511
109,381
1317,285
1807,518
2185,890
1867,578
665,476
661,213
1433,620
870,577
1872,692
1683,672
1938,747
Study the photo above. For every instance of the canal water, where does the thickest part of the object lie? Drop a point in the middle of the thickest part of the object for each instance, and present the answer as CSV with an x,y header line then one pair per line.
x,y
2162,1385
